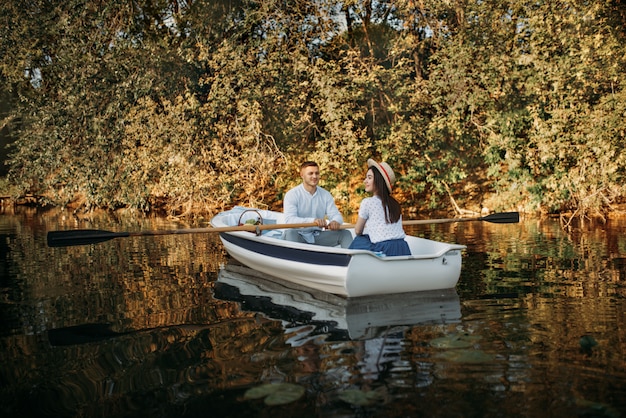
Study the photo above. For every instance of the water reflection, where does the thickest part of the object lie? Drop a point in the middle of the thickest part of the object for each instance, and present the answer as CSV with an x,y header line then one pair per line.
x,y
347,340
354,318
145,327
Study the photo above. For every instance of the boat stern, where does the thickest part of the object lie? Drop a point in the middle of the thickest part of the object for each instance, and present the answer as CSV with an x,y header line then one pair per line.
x,y
370,275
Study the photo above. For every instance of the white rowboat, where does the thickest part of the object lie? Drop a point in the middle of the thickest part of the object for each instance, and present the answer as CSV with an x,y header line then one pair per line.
x,y
432,265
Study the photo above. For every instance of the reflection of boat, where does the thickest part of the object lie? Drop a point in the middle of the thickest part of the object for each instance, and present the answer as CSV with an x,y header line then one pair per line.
x,y
354,318
432,265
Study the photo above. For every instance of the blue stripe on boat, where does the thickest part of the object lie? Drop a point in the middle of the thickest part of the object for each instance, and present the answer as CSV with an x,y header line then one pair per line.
x,y
291,254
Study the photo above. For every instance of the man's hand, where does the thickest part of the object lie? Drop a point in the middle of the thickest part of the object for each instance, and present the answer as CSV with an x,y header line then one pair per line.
x,y
334,225
320,222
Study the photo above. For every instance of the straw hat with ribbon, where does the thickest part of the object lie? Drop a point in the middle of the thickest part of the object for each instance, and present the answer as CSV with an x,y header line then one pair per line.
x,y
385,170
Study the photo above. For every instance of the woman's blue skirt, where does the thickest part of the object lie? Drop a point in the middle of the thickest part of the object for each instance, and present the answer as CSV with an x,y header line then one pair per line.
x,y
390,247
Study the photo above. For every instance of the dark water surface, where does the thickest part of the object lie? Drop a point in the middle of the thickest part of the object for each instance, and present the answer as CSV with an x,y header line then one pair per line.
x,y
141,327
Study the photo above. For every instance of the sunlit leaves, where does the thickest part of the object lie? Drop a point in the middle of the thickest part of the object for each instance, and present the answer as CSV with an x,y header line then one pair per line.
x,y
204,104
529,86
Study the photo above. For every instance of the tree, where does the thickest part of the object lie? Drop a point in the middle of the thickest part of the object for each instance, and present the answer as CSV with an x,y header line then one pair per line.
x,y
551,129
199,105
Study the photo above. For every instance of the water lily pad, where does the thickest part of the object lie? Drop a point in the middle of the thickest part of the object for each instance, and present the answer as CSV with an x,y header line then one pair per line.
x,y
259,391
455,341
362,398
587,342
597,408
466,356
354,397
276,393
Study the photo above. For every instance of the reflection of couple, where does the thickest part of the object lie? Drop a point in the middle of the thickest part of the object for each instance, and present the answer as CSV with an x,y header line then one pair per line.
x,y
369,356
381,213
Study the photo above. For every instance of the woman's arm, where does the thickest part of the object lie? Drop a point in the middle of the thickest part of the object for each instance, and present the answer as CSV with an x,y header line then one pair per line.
x,y
360,225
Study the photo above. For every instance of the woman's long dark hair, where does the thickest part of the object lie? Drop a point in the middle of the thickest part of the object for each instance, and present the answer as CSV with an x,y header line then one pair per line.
x,y
393,211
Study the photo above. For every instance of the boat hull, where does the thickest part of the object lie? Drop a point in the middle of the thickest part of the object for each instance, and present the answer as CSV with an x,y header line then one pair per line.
x,y
433,265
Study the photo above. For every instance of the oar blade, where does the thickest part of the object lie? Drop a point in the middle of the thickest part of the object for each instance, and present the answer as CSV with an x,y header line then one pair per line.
x,y
81,237
502,218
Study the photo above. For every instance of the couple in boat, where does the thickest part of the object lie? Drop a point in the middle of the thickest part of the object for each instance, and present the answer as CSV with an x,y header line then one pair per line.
x,y
379,224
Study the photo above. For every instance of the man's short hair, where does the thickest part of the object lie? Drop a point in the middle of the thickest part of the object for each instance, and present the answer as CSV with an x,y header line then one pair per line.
x,y
308,164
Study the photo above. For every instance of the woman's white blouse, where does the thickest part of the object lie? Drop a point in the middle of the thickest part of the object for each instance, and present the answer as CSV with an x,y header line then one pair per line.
x,y
372,211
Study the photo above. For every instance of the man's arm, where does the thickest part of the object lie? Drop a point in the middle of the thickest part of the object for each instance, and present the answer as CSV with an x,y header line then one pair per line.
x,y
332,212
290,208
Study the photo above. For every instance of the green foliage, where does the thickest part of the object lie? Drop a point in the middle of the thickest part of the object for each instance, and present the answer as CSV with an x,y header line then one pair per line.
x,y
557,138
200,105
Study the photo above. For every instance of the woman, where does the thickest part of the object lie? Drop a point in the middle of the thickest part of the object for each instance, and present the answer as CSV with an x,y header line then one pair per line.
x,y
380,214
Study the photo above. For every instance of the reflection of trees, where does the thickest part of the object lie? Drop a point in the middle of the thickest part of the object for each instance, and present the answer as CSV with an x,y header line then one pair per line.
x,y
137,283
172,364
537,256
548,288
154,285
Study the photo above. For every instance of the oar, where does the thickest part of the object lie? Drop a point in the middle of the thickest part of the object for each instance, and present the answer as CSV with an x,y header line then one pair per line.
x,y
93,236
496,218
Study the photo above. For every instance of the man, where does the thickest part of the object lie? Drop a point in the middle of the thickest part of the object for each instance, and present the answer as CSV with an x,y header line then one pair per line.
x,y
307,203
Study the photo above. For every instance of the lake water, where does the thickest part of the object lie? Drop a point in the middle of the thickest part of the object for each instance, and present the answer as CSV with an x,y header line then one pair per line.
x,y
155,327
